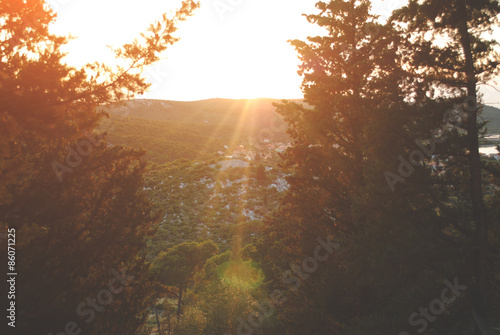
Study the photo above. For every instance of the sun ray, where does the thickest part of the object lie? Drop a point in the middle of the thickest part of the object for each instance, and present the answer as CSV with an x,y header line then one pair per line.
x,y
218,127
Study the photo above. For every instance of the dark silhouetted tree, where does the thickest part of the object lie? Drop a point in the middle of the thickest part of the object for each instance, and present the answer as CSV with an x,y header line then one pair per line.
x,y
360,121
74,201
451,50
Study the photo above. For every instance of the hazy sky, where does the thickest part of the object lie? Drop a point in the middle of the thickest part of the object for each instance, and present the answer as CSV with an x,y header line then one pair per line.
x,y
228,49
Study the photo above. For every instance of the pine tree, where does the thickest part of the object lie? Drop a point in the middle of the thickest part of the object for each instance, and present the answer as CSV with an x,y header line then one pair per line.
x,y
75,203
358,125
452,52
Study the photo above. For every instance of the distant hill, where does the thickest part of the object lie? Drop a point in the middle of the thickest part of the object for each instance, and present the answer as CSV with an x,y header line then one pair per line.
x,y
492,115
249,112
171,130
201,130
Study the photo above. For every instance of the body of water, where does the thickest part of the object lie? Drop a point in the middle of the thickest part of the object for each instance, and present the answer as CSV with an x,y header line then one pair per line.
x,y
489,150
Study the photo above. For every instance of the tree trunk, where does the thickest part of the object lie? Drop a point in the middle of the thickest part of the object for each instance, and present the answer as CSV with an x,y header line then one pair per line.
x,y
179,302
157,320
478,208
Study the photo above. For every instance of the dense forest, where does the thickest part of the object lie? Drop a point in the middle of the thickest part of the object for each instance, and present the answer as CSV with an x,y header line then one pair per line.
x,y
368,207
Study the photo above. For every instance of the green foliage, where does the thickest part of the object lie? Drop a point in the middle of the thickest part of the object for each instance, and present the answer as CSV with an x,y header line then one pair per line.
x,y
196,201
164,141
241,274
171,130
226,292
193,322
491,115
177,265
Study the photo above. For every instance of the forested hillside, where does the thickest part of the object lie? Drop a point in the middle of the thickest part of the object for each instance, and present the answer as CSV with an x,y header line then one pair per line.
x,y
491,115
212,165
170,130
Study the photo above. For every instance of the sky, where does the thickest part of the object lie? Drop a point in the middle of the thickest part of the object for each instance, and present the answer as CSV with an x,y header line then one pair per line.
x,y
228,49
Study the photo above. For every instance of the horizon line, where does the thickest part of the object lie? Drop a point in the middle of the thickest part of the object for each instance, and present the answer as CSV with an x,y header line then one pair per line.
x,y
215,98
